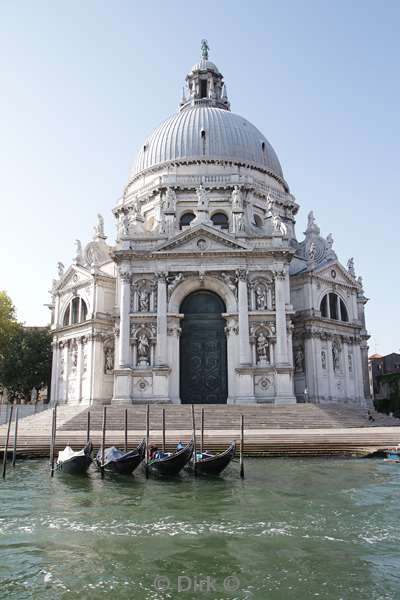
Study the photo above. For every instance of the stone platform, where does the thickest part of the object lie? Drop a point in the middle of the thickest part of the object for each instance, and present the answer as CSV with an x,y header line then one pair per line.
x,y
296,430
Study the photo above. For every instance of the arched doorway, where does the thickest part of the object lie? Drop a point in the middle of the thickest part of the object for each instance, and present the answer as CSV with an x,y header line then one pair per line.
x,y
203,365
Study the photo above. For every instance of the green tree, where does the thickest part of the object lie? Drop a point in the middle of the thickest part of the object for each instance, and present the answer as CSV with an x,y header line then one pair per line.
x,y
26,362
8,322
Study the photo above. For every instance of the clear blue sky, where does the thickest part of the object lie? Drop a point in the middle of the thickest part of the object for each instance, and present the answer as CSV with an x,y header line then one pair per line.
x,y
83,84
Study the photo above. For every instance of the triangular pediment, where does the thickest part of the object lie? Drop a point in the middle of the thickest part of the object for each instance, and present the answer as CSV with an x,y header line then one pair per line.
x,y
74,276
336,273
202,238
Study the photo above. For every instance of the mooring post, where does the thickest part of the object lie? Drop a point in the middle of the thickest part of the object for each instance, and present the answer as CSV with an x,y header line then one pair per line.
x,y
88,428
103,440
53,440
202,431
147,440
14,456
194,442
163,429
241,446
6,442
126,430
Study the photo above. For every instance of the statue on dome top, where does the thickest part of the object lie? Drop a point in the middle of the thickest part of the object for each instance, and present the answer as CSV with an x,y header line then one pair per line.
x,y
202,198
350,267
204,49
330,240
99,227
60,269
311,220
79,254
170,200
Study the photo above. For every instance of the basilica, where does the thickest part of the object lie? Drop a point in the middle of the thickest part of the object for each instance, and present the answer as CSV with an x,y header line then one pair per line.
x,y
207,294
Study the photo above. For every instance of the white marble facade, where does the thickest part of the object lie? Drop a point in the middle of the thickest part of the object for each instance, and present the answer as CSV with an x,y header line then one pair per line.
x,y
207,208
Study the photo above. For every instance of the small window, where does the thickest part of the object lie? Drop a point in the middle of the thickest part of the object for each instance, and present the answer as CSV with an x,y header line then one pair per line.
x,y
343,312
203,88
324,307
75,311
333,307
263,146
83,311
220,219
186,219
66,316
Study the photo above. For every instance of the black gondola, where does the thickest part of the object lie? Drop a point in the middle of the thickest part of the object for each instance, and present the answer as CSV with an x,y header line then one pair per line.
x,y
213,464
171,463
121,462
75,463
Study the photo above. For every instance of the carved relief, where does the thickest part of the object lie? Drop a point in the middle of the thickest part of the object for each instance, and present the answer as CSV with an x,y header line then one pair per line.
x,y
336,354
298,359
108,360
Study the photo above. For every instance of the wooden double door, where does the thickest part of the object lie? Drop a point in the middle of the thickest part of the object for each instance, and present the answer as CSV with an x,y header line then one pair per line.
x,y
203,360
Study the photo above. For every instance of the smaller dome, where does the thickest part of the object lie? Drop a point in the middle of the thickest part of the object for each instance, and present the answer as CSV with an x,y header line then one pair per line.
x,y
204,65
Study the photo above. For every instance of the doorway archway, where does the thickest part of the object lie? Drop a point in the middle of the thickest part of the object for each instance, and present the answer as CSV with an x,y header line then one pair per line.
x,y
203,357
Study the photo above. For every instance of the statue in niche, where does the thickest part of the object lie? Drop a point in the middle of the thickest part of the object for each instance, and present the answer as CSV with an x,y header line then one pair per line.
x,y
143,350
60,269
202,198
330,241
237,200
312,251
261,297
170,200
124,219
299,359
108,360
278,225
240,224
336,356
350,267
144,300
323,359
262,347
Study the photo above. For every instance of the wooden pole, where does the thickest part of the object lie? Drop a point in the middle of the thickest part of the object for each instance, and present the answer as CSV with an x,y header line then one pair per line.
x,y
88,428
126,430
14,456
202,431
194,442
53,441
103,440
147,440
241,446
163,429
6,442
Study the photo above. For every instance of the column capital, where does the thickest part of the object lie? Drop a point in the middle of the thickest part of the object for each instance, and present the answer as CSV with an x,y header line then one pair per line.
x,y
125,276
242,274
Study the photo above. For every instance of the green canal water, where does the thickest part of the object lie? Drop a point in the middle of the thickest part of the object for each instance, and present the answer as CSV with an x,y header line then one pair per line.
x,y
301,529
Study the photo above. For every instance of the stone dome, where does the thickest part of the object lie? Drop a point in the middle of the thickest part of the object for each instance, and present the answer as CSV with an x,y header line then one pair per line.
x,y
208,133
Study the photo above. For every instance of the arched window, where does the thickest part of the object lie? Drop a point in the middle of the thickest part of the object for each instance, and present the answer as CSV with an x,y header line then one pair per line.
x,y
220,219
76,312
186,219
333,307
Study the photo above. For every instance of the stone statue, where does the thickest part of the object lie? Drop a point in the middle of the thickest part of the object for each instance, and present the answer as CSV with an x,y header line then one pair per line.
x,y
312,251
237,200
204,49
270,205
360,281
323,359
336,356
144,300
79,253
202,198
240,224
330,241
278,225
125,223
108,360
60,269
230,282
174,282
311,220
299,359
143,349
170,200
99,227
350,267
262,348
261,297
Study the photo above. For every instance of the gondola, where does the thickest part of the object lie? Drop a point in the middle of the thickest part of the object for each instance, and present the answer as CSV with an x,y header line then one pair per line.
x,y
213,464
117,461
392,455
75,463
171,463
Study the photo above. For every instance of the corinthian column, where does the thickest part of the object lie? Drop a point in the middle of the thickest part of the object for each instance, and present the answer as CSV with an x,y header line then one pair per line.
x,y
281,334
124,309
161,319
244,342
